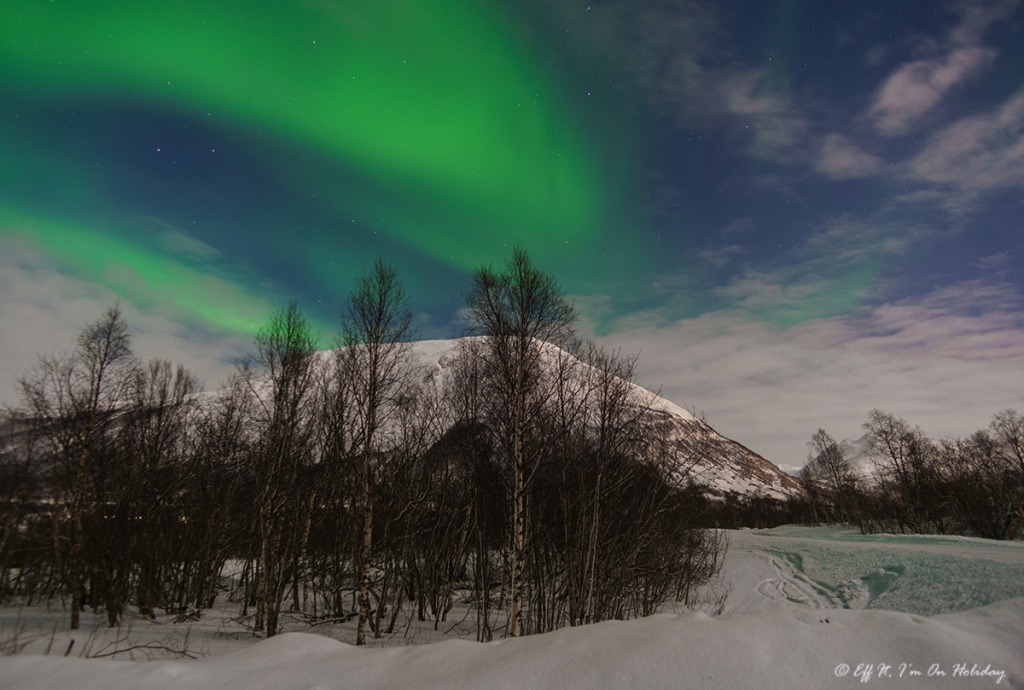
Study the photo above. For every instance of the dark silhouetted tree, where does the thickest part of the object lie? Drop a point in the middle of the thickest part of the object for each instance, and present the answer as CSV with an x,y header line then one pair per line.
x,y
376,327
519,308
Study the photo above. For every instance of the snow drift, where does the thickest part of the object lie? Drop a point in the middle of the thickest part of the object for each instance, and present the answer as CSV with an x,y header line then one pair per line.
x,y
785,648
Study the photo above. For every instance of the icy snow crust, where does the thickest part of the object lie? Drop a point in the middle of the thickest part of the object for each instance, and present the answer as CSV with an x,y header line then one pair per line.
x,y
798,618
841,568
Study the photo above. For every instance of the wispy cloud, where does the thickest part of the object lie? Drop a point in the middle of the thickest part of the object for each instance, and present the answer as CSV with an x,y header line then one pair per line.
x,y
841,159
43,309
780,129
946,361
833,271
670,51
716,258
968,321
916,87
976,154
175,240
977,16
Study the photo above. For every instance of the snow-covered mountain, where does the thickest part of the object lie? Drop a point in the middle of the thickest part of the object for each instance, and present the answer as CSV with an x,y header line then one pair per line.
x,y
725,466
857,453
706,457
713,461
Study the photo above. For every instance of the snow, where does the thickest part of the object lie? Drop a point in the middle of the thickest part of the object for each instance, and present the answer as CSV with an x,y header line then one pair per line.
x,y
437,353
809,608
858,454
786,648
827,568
724,473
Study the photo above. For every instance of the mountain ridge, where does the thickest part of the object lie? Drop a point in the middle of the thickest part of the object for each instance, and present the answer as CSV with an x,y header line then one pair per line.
x,y
717,463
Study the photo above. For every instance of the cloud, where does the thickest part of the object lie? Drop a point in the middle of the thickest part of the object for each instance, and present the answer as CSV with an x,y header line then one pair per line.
x,y
665,47
916,87
977,16
739,227
833,271
970,321
841,159
670,52
42,311
997,264
176,240
810,340
975,155
780,130
716,258
946,362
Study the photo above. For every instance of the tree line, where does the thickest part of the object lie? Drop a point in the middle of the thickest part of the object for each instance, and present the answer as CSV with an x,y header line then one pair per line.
x,y
524,478
970,486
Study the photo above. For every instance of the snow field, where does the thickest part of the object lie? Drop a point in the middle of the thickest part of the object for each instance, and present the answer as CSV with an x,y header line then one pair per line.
x,y
783,648
806,611
840,568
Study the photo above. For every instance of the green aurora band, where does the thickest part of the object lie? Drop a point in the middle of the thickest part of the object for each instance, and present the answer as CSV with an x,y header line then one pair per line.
x,y
421,129
436,105
151,280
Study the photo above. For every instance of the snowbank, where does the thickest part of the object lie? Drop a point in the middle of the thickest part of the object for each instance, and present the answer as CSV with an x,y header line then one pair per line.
x,y
811,608
782,648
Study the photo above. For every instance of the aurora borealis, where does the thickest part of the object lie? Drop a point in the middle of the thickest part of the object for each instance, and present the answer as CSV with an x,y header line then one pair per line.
x,y
424,121
742,192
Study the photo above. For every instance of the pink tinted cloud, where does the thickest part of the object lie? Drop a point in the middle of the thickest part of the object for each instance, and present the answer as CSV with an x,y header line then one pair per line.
x,y
979,153
946,362
916,87
841,159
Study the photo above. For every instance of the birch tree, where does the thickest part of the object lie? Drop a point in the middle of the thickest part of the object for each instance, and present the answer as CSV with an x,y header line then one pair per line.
x,y
376,328
519,308
281,378
72,400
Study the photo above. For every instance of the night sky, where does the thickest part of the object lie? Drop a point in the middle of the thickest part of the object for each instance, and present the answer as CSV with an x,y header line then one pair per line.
x,y
793,211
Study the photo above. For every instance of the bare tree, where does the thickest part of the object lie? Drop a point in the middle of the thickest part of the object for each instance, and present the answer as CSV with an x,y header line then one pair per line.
x,y
154,442
470,443
1008,429
827,466
376,329
19,493
520,309
72,400
906,461
281,378
213,514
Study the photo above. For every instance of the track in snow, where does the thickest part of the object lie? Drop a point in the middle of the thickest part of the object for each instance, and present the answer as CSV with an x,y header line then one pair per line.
x,y
793,586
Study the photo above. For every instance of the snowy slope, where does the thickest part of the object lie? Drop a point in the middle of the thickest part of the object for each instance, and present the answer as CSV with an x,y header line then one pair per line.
x,y
715,461
712,460
856,453
785,649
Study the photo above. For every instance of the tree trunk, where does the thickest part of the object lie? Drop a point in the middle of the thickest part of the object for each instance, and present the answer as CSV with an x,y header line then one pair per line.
x,y
367,554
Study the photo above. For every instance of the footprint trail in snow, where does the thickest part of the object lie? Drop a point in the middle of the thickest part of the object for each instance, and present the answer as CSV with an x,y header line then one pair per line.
x,y
793,586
